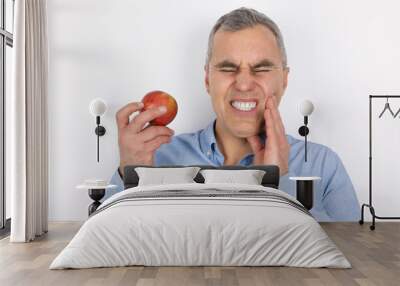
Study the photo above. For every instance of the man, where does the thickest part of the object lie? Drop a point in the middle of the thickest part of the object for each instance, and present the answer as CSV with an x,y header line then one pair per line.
x,y
246,75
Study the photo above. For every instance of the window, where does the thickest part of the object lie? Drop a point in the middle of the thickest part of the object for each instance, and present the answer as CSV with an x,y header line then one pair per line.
x,y
6,44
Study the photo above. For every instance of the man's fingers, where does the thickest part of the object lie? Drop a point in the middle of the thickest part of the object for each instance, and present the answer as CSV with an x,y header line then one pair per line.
x,y
277,122
144,117
151,132
277,118
122,116
272,105
271,133
255,143
154,144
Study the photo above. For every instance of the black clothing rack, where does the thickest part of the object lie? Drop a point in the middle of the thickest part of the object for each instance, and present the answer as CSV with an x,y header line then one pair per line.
x,y
369,205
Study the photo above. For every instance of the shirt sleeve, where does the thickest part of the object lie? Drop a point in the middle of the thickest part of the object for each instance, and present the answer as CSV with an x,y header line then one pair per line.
x,y
115,180
339,198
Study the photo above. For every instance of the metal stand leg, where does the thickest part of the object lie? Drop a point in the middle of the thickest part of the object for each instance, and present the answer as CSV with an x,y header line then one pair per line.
x,y
361,221
374,216
372,210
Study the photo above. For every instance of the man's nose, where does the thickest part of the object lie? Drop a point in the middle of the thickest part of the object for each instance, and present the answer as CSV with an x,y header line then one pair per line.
x,y
244,81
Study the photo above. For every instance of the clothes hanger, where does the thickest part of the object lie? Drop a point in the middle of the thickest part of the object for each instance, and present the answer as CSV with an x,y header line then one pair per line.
x,y
398,111
387,106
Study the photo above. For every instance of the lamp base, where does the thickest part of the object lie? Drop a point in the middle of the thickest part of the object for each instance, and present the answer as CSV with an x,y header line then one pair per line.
x,y
305,190
305,193
96,195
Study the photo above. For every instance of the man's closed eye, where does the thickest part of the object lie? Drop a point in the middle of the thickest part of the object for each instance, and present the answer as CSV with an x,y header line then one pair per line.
x,y
228,69
267,69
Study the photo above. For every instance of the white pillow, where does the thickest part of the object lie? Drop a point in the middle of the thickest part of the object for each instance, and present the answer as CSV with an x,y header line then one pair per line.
x,y
249,177
162,176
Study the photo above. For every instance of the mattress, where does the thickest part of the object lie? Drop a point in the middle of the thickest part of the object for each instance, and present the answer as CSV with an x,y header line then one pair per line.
x,y
201,225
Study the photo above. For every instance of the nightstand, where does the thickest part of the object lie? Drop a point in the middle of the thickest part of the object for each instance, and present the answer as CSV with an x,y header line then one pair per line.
x,y
96,190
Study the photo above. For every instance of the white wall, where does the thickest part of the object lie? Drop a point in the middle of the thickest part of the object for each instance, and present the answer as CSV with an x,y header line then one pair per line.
x,y
339,53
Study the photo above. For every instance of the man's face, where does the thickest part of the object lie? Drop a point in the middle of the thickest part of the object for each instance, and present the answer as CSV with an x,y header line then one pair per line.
x,y
245,68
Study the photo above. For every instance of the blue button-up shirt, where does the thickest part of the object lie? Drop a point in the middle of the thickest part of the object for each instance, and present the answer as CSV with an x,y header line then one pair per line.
x,y
334,195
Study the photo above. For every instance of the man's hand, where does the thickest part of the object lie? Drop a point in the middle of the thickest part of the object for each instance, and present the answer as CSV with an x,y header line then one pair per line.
x,y
136,143
276,150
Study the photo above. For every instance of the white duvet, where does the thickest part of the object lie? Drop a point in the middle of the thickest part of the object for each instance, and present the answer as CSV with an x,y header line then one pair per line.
x,y
207,230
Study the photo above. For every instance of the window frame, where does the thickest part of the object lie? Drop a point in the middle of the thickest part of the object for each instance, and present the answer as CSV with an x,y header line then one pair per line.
x,y
6,39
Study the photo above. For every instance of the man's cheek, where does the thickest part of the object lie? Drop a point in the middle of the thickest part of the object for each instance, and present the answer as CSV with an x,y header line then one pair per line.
x,y
269,90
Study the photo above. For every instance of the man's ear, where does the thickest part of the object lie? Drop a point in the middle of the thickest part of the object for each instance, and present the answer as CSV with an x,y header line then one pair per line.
x,y
206,79
285,77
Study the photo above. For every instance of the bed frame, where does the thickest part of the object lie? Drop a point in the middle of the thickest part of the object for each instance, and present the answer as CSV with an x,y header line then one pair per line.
x,y
270,179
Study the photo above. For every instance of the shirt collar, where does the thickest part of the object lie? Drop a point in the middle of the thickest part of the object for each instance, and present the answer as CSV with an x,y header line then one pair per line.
x,y
207,138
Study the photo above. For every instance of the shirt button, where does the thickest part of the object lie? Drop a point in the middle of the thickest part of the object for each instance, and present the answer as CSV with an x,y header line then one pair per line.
x,y
208,153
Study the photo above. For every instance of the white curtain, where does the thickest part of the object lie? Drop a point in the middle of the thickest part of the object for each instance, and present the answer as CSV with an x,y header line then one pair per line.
x,y
28,122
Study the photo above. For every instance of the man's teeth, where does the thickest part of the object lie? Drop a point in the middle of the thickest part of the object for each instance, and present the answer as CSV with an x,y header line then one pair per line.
x,y
244,106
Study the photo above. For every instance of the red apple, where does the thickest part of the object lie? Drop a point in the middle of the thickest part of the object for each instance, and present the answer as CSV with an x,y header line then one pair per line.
x,y
157,98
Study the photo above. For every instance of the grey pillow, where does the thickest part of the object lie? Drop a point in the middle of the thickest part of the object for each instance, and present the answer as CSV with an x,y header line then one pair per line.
x,y
248,177
162,176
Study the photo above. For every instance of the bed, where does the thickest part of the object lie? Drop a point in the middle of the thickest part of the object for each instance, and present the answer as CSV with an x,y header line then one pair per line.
x,y
201,224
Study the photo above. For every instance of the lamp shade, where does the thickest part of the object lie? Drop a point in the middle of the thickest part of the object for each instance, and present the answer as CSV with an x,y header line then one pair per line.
x,y
97,107
306,107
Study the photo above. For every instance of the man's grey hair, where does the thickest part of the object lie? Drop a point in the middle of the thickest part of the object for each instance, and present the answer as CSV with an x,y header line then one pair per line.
x,y
245,18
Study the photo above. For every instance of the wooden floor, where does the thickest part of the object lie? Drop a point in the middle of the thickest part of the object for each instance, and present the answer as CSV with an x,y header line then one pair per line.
x,y
374,255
